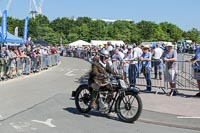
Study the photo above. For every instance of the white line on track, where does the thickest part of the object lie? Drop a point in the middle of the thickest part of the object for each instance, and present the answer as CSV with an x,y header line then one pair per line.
x,y
48,122
188,117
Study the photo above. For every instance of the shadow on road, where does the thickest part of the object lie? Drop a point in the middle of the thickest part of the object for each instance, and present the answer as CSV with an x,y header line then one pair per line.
x,y
91,113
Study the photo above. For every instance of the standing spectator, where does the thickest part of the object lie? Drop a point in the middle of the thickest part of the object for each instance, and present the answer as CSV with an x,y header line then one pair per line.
x,y
125,49
146,66
18,61
62,50
27,53
110,48
45,54
132,68
34,60
2,63
196,67
170,58
139,52
157,61
13,57
117,58
194,47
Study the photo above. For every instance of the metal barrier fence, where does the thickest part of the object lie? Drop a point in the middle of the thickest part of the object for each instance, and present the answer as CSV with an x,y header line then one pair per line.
x,y
182,75
185,76
26,65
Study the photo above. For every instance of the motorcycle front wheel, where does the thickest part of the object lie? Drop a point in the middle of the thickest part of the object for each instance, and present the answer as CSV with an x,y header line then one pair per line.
x,y
129,107
83,99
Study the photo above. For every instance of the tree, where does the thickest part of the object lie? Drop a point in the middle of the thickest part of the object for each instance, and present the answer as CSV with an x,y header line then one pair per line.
x,y
42,20
72,37
193,35
146,30
158,34
49,35
97,30
123,30
173,32
84,32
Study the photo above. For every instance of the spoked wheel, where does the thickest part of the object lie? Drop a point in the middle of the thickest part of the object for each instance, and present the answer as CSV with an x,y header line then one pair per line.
x,y
129,107
83,99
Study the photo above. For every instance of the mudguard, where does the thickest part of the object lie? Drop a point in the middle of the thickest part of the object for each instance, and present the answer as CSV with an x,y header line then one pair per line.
x,y
80,86
135,90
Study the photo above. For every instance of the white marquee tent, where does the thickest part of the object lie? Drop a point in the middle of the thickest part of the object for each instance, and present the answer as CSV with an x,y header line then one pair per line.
x,y
79,43
100,42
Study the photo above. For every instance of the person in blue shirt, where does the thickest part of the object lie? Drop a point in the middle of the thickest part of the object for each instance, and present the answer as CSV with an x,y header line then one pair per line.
x,y
146,66
196,67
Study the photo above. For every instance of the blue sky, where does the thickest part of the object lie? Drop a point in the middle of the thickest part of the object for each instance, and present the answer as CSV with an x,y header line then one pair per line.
x,y
183,13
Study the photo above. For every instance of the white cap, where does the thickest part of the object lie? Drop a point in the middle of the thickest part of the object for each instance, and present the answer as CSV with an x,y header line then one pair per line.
x,y
169,44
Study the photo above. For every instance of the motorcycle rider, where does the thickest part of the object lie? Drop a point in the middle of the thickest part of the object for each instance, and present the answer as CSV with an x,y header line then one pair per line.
x,y
98,75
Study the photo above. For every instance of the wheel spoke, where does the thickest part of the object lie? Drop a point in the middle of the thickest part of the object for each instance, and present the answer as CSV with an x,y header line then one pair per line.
x,y
123,111
131,112
127,112
132,100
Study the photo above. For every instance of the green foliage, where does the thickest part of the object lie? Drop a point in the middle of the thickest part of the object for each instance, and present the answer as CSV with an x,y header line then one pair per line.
x,y
87,29
193,35
173,32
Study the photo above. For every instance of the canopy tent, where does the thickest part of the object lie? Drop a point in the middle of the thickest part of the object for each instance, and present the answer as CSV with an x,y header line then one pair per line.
x,y
79,43
11,38
100,42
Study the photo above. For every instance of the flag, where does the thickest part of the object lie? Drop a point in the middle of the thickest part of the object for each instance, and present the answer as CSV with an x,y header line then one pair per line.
x,y
4,26
16,31
25,29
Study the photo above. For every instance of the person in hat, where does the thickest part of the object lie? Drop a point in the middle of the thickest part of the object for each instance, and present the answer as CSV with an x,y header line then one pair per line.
x,y
146,66
98,75
131,57
170,57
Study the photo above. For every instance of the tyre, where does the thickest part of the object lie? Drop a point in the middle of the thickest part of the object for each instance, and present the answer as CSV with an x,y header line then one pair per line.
x,y
83,99
129,107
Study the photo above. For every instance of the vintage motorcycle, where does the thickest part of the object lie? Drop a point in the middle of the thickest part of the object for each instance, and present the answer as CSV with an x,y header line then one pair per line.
x,y
123,100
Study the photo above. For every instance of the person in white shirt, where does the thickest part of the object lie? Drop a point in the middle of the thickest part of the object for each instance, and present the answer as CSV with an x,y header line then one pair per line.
x,y
139,52
131,56
158,63
109,48
117,59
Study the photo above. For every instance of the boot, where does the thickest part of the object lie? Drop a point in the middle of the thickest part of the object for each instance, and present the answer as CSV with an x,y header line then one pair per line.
x,y
160,75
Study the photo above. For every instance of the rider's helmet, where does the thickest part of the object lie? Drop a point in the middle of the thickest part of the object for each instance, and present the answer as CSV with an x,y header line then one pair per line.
x,y
104,54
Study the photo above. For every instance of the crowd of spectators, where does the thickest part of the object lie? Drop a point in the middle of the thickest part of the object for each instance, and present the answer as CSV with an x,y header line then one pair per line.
x,y
26,59
132,60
